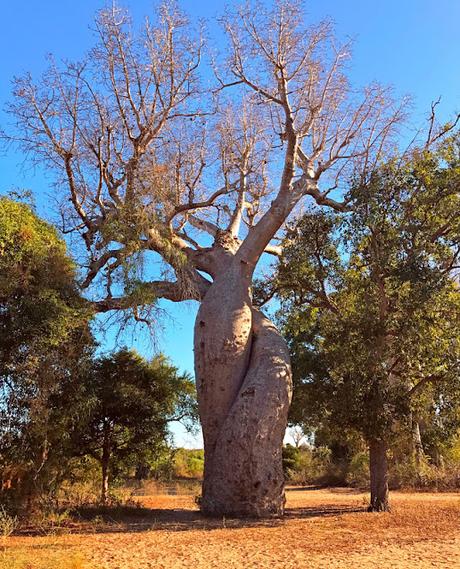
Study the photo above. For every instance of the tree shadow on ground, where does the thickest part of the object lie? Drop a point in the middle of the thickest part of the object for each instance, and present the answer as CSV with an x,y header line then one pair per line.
x,y
134,519
331,489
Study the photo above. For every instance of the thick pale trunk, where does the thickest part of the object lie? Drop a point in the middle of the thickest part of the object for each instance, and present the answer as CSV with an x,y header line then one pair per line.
x,y
378,465
244,390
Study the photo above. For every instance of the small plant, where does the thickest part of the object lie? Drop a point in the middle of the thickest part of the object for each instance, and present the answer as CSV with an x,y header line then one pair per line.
x,y
52,522
59,518
123,497
364,501
8,523
97,521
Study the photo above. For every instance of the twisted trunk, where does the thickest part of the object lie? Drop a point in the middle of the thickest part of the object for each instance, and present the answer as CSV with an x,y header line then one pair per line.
x,y
244,390
379,476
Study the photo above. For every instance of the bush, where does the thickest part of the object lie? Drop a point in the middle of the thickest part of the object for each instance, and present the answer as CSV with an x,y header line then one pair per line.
x,y
305,465
189,463
425,476
8,523
317,465
358,470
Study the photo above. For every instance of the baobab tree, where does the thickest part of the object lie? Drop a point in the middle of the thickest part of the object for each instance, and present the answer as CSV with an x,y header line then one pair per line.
x,y
153,166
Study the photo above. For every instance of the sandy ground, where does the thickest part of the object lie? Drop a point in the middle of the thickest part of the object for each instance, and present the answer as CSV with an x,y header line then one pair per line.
x,y
325,529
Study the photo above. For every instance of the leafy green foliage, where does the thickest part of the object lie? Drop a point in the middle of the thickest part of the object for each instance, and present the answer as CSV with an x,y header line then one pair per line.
x,y
122,409
58,402
189,463
40,306
44,339
371,307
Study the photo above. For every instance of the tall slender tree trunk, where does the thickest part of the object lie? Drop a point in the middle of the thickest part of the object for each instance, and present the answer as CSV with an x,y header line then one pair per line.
x,y
419,455
378,465
244,390
105,472
105,484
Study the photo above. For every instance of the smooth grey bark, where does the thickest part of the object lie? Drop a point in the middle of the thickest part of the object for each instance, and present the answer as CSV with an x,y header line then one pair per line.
x,y
244,390
105,458
105,483
419,455
378,466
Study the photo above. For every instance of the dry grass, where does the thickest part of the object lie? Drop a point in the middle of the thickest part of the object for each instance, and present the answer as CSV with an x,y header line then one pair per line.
x,y
322,529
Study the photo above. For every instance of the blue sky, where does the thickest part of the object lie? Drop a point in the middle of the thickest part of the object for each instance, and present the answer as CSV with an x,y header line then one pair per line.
x,y
412,45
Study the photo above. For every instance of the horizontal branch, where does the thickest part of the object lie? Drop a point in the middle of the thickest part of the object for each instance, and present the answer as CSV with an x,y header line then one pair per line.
x,y
173,291
203,225
321,199
200,205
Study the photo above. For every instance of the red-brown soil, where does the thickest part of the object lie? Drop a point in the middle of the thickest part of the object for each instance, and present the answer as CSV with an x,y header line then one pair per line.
x,y
323,529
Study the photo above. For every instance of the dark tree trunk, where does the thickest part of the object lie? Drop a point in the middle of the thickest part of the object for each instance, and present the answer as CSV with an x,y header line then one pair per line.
x,y
244,390
142,472
379,476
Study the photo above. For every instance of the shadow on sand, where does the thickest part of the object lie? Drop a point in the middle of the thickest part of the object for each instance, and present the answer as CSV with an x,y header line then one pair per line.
x,y
134,519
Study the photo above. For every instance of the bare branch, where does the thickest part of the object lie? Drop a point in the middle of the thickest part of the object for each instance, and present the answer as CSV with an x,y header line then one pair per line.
x,y
275,250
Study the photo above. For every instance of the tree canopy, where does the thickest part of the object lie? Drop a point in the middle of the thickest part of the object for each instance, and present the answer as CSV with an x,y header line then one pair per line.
x,y
121,410
374,304
44,337
151,161
178,184
40,302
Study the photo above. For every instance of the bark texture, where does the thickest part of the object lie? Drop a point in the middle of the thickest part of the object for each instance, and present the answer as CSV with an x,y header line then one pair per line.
x,y
379,476
105,458
244,391
105,483
419,455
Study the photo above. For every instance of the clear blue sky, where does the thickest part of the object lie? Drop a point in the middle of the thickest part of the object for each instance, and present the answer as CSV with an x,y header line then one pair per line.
x,y
413,45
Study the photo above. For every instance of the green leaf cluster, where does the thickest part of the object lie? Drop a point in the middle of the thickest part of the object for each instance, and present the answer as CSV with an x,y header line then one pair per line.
x,y
371,301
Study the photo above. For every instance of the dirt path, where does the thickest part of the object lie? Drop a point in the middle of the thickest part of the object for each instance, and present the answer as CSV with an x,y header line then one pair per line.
x,y
323,529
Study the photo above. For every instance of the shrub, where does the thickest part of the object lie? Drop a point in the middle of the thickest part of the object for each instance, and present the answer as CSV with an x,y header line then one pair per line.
x,y
358,470
8,523
305,465
189,463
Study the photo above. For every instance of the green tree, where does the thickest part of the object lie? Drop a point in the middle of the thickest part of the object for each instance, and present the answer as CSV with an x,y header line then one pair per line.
x,y
40,306
44,337
373,307
125,405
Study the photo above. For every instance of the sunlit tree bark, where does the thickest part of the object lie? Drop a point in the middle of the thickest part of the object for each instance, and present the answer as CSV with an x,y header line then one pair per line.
x,y
150,164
